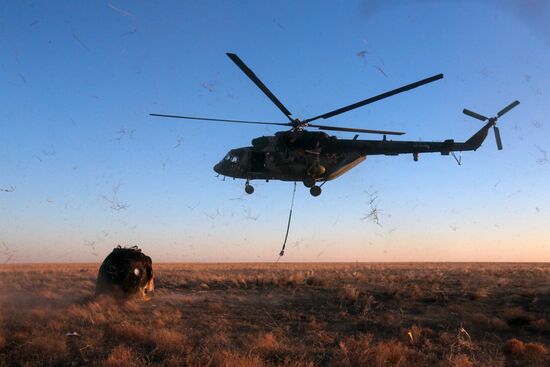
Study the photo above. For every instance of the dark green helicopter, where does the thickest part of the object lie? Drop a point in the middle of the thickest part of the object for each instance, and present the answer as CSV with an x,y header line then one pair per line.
x,y
314,157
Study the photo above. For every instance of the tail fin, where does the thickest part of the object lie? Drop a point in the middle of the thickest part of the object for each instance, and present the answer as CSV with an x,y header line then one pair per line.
x,y
477,139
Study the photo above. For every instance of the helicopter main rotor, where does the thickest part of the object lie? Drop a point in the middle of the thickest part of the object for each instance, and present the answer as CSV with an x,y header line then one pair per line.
x,y
297,124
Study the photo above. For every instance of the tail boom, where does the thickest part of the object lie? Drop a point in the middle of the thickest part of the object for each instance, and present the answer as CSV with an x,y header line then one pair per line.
x,y
479,137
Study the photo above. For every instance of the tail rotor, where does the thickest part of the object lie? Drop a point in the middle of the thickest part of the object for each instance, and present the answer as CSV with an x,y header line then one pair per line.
x,y
497,137
492,120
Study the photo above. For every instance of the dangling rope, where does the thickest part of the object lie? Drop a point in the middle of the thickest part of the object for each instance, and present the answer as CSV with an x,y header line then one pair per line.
x,y
288,225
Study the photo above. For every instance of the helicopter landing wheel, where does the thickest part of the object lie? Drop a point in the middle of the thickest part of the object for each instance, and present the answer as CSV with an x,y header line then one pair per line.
x,y
309,182
249,189
315,191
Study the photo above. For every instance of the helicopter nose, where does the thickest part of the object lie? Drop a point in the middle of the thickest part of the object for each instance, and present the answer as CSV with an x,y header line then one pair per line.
x,y
218,168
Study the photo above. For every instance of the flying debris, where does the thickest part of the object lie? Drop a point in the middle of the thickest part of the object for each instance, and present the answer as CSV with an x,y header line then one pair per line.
x,y
374,213
6,253
179,141
77,38
49,152
363,55
213,216
381,70
314,157
209,86
124,133
249,215
194,206
122,12
114,202
544,158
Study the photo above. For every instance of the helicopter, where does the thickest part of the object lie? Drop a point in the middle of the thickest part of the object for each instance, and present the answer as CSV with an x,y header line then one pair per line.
x,y
314,157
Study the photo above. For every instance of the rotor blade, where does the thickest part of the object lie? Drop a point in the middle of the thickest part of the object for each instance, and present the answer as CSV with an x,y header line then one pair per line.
x,y
245,69
377,98
221,120
474,115
337,128
507,108
497,137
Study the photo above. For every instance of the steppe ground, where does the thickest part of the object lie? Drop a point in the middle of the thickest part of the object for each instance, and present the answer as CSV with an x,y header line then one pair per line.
x,y
281,314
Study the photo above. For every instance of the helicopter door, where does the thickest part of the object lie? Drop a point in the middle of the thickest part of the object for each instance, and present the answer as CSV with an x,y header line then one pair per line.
x,y
257,162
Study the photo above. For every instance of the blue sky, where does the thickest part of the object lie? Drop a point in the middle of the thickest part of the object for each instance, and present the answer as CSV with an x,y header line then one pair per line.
x,y
84,168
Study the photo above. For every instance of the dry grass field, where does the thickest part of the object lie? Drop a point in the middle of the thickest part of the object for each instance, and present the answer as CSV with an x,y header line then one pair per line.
x,y
281,314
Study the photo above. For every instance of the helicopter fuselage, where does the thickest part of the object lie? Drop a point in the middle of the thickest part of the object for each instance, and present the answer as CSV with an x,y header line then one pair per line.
x,y
303,155
250,164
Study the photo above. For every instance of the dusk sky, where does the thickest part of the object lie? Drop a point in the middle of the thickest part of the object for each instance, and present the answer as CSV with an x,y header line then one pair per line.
x,y
83,167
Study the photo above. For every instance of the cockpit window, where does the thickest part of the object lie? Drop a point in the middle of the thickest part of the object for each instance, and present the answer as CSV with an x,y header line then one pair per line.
x,y
232,157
